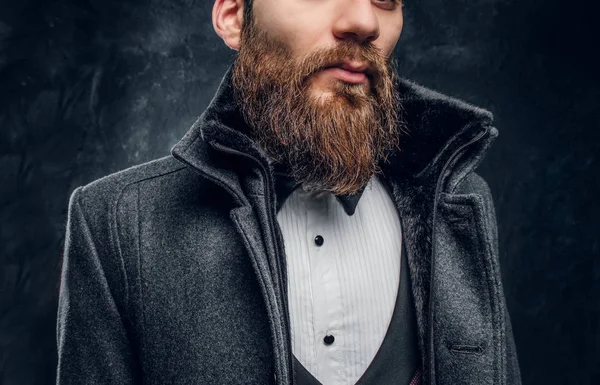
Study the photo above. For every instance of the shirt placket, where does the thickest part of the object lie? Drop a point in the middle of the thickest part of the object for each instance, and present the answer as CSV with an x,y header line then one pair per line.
x,y
327,302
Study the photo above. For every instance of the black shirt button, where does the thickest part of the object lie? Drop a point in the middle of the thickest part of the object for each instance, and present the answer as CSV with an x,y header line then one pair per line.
x,y
318,240
328,339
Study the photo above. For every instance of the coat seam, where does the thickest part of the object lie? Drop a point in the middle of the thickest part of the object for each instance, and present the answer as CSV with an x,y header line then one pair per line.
x,y
116,244
80,198
114,226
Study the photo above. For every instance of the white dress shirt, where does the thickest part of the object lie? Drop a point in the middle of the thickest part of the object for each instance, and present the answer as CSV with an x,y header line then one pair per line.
x,y
345,288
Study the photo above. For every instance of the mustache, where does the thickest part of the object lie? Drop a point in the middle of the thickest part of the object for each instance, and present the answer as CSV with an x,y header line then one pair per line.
x,y
295,70
367,57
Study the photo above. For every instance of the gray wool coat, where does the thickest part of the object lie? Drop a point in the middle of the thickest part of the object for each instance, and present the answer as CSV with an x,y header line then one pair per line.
x,y
174,270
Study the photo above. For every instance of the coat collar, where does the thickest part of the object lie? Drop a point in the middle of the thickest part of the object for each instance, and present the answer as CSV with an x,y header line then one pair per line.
x,y
439,126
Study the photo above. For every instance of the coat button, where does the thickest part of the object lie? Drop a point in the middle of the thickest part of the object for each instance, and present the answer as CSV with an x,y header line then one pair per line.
x,y
328,339
319,240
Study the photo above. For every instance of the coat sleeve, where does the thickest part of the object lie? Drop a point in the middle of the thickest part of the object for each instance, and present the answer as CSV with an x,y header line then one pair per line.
x,y
93,344
513,371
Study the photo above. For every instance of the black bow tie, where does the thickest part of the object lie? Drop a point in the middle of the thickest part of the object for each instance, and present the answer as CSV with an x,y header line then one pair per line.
x,y
285,185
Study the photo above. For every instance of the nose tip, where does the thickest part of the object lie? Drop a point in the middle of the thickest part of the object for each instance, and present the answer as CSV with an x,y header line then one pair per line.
x,y
358,22
362,36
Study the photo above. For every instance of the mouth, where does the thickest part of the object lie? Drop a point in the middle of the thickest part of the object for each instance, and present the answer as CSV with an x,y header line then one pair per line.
x,y
346,73
351,71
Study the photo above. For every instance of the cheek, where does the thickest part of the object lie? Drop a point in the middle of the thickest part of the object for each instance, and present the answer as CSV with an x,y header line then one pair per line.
x,y
392,35
398,27
303,40
290,34
301,27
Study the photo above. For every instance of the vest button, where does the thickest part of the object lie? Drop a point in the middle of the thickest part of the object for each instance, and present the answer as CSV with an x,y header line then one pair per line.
x,y
328,339
319,240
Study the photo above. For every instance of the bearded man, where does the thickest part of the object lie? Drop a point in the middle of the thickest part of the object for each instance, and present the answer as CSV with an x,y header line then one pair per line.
x,y
320,223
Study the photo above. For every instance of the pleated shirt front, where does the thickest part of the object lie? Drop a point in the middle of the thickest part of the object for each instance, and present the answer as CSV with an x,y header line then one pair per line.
x,y
343,276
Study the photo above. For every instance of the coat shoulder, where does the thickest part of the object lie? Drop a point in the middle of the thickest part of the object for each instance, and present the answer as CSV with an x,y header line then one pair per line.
x,y
115,195
114,200
109,187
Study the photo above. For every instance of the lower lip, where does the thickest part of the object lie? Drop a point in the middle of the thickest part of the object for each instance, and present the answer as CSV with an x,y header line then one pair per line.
x,y
348,76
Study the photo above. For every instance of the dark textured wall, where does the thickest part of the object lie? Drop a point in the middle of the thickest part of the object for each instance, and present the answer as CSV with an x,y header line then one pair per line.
x,y
90,87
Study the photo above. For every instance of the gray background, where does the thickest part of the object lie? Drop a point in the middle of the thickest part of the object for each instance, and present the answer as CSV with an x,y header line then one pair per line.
x,y
90,87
